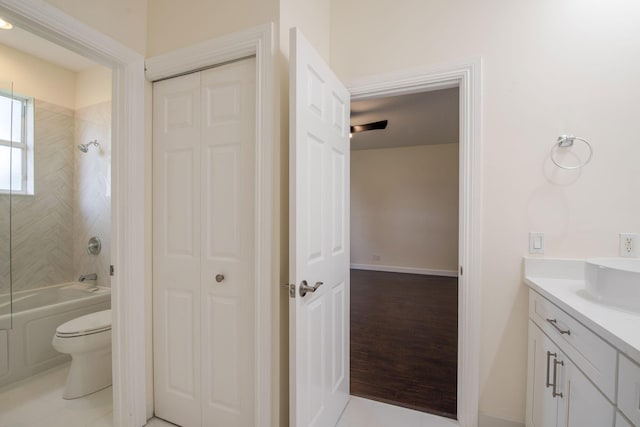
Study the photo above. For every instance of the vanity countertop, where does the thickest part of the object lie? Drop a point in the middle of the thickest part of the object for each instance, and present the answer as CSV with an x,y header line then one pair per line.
x,y
562,282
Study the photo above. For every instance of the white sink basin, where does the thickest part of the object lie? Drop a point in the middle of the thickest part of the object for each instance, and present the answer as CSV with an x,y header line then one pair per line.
x,y
614,281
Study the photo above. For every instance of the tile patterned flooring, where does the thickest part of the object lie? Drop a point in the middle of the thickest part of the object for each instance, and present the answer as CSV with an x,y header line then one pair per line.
x,y
37,402
157,422
368,413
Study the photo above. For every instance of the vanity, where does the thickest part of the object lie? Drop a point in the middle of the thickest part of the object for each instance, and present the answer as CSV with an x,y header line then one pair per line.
x,y
584,343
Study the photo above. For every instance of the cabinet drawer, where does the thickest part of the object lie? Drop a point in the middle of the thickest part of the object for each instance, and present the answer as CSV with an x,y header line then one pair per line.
x,y
629,389
587,350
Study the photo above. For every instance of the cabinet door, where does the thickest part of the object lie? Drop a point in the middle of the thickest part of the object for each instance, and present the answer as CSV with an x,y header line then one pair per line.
x,y
582,404
621,421
542,406
629,389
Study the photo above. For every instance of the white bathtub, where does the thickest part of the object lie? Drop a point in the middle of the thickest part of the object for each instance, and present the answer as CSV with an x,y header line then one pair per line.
x,y
26,348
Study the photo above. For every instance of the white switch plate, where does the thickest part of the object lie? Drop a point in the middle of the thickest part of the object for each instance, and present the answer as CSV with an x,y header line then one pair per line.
x,y
628,245
536,243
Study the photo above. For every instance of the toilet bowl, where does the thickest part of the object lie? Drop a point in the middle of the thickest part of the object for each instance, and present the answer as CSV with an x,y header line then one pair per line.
x,y
88,340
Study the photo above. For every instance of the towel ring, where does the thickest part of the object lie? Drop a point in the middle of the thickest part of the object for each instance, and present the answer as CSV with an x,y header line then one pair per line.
x,y
565,141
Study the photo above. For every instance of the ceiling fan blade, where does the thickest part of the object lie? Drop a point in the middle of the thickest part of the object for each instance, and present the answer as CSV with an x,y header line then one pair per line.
x,y
382,124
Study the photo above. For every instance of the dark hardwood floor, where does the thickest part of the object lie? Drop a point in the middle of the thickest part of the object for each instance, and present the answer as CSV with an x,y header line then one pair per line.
x,y
404,340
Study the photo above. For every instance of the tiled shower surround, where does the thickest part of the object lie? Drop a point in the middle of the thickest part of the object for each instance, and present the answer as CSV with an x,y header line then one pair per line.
x,y
50,229
92,191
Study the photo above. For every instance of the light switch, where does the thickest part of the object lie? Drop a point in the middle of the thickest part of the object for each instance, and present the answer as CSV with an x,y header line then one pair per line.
x,y
536,243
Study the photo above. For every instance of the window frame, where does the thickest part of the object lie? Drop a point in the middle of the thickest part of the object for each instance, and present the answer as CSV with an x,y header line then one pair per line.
x,y
26,144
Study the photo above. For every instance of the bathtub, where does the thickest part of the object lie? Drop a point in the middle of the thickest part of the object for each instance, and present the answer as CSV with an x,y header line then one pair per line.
x,y
26,348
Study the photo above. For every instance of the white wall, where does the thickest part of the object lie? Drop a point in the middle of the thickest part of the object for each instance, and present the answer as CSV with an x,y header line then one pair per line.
x,y
313,18
93,86
404,207
122,20
174,24
549,68
32,77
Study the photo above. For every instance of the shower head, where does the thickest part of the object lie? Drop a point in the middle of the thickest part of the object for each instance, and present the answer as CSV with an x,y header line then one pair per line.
x,y
85,147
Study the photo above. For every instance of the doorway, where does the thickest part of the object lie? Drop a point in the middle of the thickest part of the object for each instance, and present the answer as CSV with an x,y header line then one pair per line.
x,y
313,92
61,101
404,250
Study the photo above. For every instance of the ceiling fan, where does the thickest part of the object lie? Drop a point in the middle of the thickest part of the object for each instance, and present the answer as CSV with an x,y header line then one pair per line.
x,y
382,124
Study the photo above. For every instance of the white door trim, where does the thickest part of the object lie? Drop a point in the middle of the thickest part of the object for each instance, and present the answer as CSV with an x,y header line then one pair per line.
x,y
467,76
256,41
127,191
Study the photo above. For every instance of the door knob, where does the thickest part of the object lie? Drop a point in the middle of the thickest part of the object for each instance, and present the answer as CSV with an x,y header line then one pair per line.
x,y
219,277
304,287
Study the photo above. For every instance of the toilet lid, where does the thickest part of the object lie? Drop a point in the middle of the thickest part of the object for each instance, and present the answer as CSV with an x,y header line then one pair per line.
x,y
93,323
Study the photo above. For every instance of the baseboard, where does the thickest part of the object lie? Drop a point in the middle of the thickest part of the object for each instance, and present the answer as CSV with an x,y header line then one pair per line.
x,y
410,270
487,421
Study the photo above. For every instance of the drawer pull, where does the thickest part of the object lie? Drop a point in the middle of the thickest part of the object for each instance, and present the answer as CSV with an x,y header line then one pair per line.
x,y
549,354
555,377
554,323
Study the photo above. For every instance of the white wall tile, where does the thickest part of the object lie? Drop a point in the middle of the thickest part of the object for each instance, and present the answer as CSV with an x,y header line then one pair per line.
x,y
91,191
51,229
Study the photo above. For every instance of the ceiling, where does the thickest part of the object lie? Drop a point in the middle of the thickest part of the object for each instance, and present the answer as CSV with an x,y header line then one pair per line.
x,y
24,41
424,118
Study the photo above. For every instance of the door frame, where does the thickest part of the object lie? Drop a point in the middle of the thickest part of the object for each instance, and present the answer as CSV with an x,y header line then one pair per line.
x,y
128,231
256,41
466,76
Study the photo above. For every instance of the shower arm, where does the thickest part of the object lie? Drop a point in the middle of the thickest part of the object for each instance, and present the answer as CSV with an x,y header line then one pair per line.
x,y
85,147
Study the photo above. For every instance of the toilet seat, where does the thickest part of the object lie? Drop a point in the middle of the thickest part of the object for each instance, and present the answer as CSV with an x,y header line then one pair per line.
x,y
89,324
87,339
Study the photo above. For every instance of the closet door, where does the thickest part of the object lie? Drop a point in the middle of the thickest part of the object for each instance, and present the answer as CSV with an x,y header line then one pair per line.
x,y
176,249
204,219
228,216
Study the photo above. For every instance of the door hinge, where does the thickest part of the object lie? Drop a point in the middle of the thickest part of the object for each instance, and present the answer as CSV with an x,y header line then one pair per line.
x,y
461,270
112,270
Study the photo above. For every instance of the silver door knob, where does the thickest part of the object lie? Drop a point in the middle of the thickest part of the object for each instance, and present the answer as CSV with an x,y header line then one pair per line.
x,y
219,277
304,287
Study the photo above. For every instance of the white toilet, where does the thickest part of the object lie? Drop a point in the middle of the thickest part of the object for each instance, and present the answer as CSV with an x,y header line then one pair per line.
x,y
88,340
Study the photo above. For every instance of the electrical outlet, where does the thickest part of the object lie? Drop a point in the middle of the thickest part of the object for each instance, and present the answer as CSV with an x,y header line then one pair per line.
x,y
628,245
376,257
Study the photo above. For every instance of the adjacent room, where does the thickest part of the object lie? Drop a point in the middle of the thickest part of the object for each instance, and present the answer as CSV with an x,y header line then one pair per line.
x,y
404,250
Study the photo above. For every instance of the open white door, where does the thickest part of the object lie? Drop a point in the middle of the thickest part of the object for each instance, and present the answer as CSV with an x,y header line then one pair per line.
x,y
319,239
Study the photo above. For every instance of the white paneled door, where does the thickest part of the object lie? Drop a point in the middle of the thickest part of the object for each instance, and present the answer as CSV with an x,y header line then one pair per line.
x,y
203,246
319,240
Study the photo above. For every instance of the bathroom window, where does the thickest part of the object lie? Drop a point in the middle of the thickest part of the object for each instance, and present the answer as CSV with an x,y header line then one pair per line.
x,y
16,144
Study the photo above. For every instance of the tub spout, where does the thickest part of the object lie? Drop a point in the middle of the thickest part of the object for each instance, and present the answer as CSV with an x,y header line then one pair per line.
x,y
92,276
